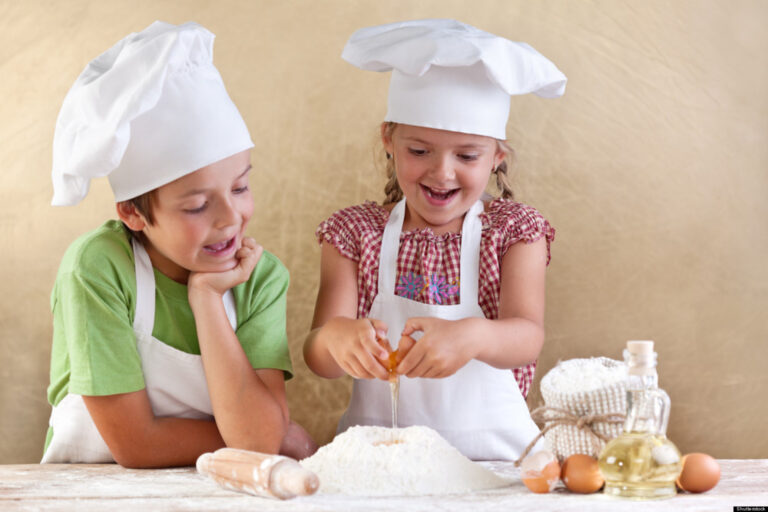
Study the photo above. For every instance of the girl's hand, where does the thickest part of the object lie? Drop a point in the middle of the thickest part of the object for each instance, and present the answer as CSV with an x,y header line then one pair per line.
x,y
359,346
445,347
219,282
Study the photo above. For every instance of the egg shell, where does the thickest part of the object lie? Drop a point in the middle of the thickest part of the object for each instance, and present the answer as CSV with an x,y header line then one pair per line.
x,y
540,472
581,474
700,473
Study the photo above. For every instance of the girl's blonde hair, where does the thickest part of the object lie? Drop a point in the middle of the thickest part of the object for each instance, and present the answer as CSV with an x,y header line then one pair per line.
x,y
503,182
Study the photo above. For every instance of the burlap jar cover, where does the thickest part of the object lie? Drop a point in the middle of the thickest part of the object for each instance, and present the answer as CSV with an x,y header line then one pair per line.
x,y
582,421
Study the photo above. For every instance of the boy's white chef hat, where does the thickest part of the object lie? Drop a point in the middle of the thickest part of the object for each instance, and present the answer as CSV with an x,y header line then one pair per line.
x,y
149,110
452,76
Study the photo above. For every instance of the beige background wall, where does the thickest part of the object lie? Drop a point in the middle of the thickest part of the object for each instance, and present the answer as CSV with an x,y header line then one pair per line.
x,y
653,169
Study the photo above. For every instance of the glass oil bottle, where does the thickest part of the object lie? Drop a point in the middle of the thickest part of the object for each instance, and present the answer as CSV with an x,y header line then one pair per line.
x,y
642,463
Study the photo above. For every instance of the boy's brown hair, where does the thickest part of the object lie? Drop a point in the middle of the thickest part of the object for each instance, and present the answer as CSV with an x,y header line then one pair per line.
x,y
144,205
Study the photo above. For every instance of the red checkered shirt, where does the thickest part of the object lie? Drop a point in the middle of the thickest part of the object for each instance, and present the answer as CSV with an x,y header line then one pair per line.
x,y
428,264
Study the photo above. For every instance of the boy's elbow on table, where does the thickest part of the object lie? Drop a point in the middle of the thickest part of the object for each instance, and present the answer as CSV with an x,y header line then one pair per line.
x,y
132,460
133,455
266,437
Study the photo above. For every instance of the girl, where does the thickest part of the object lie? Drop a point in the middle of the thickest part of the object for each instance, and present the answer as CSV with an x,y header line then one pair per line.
x,y
436,263
169,324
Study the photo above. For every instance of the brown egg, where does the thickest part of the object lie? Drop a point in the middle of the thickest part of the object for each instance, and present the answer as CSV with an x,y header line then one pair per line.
x,y
581,474
540,471
700,473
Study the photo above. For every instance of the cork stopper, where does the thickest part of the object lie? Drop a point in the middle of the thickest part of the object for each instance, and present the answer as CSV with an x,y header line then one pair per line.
x,y
640,357
644,347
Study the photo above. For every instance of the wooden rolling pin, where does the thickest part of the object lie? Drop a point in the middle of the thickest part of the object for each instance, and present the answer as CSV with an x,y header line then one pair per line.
x,y
260,474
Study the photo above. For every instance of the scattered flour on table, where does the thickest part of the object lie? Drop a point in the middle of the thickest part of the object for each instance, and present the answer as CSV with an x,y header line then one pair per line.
x,y
380,461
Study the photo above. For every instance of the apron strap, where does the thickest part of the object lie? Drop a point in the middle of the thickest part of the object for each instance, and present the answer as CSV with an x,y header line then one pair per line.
x,y
390,247
144,321
229,307
471,233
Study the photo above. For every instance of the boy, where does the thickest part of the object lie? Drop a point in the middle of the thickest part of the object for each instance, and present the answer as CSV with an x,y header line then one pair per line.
x,y
169,324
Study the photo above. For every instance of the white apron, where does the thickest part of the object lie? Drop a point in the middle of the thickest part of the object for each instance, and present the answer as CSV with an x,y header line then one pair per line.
x,y
479,409
174,380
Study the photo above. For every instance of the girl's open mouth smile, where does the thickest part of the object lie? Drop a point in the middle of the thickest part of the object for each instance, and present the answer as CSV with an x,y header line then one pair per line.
x,y
438,197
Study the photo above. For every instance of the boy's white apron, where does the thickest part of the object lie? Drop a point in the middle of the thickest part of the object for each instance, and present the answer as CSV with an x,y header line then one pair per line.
x,y
479,409
175,380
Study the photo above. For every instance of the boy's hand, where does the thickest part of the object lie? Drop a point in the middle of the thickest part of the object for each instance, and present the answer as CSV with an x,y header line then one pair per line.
x,y
444,348
219,282
356,346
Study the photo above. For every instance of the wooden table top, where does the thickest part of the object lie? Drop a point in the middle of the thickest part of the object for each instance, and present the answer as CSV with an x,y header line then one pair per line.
x,y
84,487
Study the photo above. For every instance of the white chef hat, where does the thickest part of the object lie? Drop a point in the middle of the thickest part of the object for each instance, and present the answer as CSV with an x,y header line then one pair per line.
x,y
149,110
450,75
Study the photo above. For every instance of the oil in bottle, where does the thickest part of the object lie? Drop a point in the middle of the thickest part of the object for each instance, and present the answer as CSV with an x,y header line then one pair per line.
x,y
642,463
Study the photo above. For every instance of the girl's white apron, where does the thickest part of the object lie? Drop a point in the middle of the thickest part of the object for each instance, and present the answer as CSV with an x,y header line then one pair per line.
x,y
175,380
479,409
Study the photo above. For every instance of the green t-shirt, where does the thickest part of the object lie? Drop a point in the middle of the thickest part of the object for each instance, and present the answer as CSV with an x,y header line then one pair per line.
x,y
94,301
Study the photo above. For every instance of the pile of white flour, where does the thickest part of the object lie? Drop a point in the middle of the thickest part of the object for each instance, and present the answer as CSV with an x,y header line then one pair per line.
x,y
584,375
379,461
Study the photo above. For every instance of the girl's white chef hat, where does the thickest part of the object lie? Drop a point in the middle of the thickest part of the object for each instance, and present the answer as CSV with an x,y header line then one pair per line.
x,y
452,76
149,110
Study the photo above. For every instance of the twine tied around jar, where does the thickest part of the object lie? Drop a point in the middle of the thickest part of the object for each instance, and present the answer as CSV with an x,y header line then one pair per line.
x,y
555,416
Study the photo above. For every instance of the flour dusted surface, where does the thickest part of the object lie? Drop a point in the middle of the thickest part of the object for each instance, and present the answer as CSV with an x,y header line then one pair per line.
x,y
379,461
